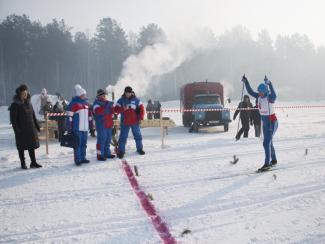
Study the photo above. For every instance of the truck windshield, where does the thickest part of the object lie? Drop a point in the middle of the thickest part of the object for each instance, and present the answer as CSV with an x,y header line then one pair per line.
x,y
207,100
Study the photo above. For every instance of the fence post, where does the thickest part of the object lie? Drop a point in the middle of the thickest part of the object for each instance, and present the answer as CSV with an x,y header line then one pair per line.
x,y
47,132
162,130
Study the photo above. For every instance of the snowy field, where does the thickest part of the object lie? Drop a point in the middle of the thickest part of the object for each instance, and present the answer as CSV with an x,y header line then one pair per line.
x,y
193,184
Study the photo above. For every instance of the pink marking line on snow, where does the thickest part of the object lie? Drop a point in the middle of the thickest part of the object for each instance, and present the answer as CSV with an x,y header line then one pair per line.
x,y
156,220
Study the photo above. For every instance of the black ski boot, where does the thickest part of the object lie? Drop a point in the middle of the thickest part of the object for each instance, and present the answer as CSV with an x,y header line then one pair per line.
x,y
274,162
111,156
101,158
35,165
265,167
141,152
85,161
120,155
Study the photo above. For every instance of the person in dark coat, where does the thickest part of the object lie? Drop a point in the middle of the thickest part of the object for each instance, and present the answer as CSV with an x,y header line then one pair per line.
x,y
256,120
25,126
157,107
149,109
245,116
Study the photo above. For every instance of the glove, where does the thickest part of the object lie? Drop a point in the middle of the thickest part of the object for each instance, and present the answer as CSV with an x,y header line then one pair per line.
x,y
244,79
267,81
138,110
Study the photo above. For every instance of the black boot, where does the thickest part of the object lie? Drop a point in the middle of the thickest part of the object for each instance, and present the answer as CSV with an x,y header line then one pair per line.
x,y
23,165
141,152
120,154
265,167
100,158
85,161
111,156
22,159
273,162
35,165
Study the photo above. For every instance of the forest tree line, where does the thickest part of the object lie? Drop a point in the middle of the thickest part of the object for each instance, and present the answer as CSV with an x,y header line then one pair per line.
x,y
54,57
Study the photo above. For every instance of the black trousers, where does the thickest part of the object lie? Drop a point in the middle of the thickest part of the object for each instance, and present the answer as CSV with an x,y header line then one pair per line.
x,y
31,153
244,129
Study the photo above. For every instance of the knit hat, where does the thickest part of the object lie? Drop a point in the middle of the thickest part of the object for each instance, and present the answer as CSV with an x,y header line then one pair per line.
x,y
79,90
262,88
100,92
44,92
128,89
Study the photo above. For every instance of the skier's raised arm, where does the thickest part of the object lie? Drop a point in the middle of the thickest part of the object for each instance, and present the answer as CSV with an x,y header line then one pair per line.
x,y
272,95
248,87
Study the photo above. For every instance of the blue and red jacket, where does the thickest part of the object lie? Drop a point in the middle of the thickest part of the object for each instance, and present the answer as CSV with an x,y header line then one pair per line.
x,y
78,115
131,110
103,111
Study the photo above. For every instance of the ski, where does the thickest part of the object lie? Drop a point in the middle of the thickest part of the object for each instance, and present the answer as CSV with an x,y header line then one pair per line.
x,y
271,168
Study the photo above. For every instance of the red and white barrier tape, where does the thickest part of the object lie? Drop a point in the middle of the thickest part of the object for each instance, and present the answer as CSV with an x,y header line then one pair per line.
x,y
171,110
156,220
56,114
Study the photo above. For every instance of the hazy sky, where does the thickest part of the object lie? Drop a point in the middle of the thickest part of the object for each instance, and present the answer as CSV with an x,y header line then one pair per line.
x,y
277,16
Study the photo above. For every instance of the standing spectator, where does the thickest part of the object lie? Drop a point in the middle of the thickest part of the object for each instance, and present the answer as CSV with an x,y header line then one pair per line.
x,y
149,109
103,113
266,98
78,122
45,103
245,116
132,112
157,107
60,107
25,126
256,120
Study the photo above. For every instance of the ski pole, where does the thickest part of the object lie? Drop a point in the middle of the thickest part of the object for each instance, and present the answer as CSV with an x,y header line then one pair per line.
x,y
268,103
241,99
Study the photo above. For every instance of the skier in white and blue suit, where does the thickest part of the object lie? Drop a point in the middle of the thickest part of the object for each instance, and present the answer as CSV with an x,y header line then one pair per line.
x,y
78,122
266,99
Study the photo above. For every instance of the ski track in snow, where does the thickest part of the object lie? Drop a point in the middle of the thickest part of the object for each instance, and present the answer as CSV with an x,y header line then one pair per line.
x,y
193,184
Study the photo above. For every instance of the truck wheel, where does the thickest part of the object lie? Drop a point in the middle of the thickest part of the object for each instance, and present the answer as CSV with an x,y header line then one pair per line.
x,y
196,127
187,120
226,127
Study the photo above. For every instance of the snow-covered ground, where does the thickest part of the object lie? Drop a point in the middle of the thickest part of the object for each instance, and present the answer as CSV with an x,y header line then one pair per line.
x,y
193,184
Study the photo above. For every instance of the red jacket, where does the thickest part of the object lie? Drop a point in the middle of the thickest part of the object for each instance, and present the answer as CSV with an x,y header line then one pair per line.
x,y
131,110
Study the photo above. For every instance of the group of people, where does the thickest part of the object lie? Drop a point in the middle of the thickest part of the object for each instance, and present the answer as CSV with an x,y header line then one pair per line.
x,y
128,106
153,109
249,115
131,109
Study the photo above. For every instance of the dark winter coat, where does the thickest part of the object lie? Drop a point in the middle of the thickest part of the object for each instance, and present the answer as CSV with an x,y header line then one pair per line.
x,y
24,124
255,116
245,115
149,108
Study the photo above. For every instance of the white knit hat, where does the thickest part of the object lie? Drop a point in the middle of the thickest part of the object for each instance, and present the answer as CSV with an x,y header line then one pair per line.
x,y
44,91
79,90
